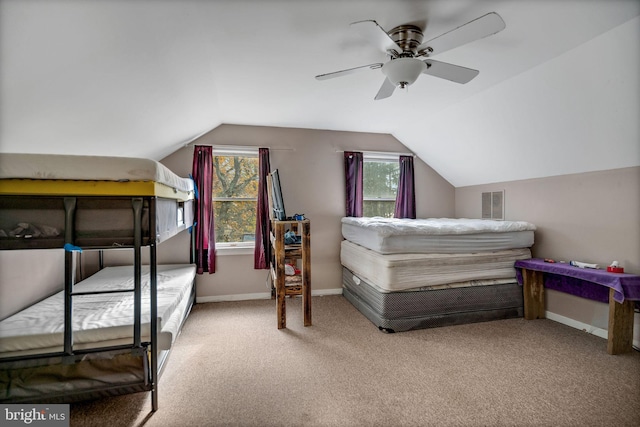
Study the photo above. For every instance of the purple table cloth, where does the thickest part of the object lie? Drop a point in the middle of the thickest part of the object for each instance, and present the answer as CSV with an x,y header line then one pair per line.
x,y
586,282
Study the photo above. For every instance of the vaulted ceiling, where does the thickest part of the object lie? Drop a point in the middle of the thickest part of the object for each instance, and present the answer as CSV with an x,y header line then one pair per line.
x,y
142,78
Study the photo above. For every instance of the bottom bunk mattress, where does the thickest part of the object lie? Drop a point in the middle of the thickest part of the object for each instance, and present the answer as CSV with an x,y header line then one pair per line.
x,y
434,306
105,363
398,272
101,320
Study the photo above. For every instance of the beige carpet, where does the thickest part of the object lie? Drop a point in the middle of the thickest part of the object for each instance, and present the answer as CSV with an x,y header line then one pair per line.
x,y
232,367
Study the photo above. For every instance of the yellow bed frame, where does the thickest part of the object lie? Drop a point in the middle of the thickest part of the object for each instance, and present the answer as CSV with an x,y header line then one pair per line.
x,y
55,187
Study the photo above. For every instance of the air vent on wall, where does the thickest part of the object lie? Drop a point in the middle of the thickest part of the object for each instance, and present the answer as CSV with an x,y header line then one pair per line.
x,y
493,205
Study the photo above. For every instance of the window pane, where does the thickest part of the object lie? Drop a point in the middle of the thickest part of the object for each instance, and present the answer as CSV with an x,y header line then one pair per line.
x,y
380,180
236,177
378,208
235,221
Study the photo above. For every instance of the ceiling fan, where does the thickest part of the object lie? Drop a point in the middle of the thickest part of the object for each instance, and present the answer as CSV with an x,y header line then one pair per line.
x,y
405,48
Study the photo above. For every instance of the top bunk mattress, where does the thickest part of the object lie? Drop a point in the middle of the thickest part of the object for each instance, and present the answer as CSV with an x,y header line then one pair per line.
x,y
47,174
103,319
437,235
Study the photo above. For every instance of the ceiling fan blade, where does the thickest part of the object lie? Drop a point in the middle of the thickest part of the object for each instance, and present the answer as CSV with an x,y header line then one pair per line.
x,y
386,90
347,71
454,73
375,34
481,27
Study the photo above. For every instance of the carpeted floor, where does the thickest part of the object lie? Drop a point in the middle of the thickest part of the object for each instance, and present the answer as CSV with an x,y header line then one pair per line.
x,y
232,367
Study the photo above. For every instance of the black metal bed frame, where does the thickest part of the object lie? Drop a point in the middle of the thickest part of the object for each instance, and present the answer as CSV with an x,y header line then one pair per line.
x,y
70,205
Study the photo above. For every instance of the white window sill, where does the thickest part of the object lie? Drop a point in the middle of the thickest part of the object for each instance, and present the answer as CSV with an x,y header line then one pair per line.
x,y
224,249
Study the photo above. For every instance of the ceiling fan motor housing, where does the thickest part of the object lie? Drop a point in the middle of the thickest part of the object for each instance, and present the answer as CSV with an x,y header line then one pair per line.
x,y
408,38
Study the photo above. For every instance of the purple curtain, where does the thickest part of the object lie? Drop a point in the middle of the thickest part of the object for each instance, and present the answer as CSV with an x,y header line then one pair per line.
x,y
262,250
406,197
353,167
205,241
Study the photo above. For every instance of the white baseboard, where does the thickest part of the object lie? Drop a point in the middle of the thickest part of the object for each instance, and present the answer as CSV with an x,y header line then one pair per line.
x,y
261,295
593,330
235,297
325,292
599,332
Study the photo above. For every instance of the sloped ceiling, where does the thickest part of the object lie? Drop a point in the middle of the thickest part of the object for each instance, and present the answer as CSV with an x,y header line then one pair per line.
x,y
142,78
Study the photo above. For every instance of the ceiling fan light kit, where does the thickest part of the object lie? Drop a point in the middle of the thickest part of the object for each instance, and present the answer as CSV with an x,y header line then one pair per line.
x,y
403,72
405,47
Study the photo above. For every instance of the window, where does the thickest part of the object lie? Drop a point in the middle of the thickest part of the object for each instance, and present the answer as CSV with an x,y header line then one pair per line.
x,y
380,185
235,195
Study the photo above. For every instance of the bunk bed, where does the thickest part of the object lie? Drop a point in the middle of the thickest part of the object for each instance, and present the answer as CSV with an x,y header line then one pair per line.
x,y
79,203
405,274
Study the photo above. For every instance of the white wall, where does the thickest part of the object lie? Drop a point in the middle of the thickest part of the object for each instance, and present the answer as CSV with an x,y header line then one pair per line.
x,y
312,177
580,109
28,276
591,217
589,95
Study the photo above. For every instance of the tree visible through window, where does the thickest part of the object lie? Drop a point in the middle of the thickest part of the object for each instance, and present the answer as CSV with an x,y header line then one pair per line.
x,y
235,194
380,185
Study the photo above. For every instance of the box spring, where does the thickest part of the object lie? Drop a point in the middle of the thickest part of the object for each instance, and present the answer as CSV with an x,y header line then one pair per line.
x,y
406,310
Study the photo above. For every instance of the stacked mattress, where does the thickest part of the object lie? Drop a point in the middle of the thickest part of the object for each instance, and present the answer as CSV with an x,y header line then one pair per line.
x,y
407,274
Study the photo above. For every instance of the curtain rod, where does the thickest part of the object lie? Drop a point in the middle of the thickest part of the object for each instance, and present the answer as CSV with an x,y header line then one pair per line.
x,y
241,147
379,153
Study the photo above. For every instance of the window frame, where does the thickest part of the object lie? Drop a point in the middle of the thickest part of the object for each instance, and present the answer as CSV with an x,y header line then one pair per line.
x,y
235,248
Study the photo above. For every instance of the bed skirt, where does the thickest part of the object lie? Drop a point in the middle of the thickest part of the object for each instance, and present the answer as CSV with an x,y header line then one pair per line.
x,y
430,308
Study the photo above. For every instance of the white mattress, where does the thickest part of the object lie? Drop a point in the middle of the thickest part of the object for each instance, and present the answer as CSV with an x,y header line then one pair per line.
x,y
89,168
437,235
104,319
399,272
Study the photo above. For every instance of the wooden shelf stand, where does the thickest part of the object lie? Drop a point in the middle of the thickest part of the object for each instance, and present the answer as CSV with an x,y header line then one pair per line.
x,y
298,284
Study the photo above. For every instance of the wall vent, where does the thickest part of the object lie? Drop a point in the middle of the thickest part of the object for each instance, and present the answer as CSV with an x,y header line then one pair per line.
x,y
493,205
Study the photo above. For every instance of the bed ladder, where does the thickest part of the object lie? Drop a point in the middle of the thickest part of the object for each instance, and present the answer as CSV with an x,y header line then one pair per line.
x,y
70,205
